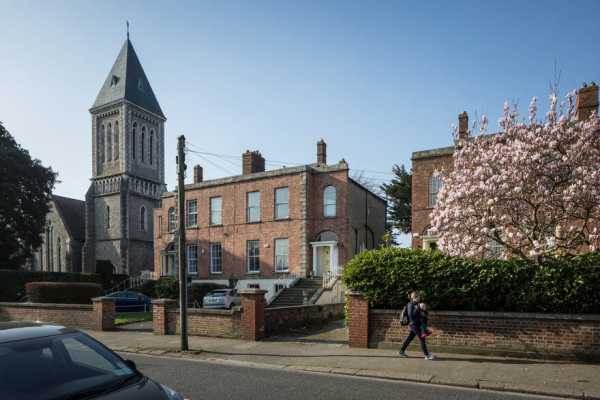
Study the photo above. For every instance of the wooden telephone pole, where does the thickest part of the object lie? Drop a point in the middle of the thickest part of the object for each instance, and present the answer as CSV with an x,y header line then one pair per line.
x,y
181,249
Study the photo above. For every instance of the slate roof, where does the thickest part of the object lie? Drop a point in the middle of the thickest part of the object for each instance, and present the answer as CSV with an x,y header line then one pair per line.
x,y
72,212
127,81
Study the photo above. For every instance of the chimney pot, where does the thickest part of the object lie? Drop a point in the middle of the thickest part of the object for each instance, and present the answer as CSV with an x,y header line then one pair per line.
x,y
463,126
321,152
587,100
198,173
252,161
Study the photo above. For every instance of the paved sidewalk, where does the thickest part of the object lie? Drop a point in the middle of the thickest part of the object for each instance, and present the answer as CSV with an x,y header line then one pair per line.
x,y
557,378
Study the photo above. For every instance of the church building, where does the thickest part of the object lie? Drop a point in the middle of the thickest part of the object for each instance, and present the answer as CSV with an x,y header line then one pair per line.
x,y
115,222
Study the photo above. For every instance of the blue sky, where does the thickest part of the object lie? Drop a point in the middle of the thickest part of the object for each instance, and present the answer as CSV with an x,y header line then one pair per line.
x,y
377,80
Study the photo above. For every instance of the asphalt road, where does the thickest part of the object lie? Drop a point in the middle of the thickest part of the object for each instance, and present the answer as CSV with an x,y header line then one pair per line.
x,y
201,380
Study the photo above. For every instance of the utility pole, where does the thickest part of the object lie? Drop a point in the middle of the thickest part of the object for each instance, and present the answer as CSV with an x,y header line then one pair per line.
x,y
181,249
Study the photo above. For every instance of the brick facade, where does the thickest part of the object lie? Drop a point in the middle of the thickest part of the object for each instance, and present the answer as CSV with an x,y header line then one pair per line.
x,y
518,334
359,221
99,316
426,162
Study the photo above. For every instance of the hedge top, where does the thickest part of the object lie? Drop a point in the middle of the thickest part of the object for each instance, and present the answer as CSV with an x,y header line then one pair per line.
x,y
563,285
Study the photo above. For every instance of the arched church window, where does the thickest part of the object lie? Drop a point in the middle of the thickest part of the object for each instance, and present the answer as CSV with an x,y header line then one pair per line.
x,y
50,248
109,142
143,219
107,217
151,146
116,150
100,138
58,255
143,144
133,139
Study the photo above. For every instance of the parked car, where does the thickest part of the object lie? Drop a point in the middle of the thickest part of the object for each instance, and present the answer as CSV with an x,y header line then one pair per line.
x,y
221,298
49,362
127,300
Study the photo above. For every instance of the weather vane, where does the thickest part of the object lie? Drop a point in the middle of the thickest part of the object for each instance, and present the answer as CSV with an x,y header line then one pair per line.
x,y
127,22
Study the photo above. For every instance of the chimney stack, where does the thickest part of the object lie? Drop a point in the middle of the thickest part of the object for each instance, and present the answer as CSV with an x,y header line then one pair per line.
x,y
463,126
198,173
321,152
252,161
587,100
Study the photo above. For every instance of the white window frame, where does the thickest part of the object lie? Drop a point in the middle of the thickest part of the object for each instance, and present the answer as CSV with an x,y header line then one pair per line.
x,y
214,211
215,258
250,257
190,214
171,220
192,262
434,184
282,254
280,203
250,208
329,204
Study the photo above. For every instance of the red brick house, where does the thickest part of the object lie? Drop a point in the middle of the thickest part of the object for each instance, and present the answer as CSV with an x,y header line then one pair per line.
x,y
425,185
269,228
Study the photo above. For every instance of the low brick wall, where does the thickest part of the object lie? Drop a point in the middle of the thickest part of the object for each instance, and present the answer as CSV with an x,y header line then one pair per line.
x,y
542,334
99,316
203,322
284,319
252,321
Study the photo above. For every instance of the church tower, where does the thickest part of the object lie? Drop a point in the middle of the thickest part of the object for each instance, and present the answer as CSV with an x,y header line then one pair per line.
x,y
128,174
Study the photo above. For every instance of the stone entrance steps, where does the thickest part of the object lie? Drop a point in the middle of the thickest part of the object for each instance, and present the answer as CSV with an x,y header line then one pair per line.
x,y
294,296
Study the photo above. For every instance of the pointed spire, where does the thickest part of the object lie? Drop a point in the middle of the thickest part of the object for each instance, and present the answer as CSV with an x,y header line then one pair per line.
x,y
127,81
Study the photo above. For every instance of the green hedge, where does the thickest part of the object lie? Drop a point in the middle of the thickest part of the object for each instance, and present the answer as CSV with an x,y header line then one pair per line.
x,y
386,276
62,292
12,282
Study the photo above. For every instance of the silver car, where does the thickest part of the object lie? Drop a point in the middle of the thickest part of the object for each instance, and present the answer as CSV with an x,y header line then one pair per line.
x,y
221,298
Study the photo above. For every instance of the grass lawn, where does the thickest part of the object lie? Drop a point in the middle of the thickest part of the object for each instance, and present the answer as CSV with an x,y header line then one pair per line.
x,y
129,317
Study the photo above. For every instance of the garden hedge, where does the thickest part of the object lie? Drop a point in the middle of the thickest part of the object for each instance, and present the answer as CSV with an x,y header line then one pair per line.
x,y
12,282
62,292
564,285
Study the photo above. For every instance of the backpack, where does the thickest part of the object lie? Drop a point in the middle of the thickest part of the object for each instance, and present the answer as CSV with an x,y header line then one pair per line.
x,y
404,316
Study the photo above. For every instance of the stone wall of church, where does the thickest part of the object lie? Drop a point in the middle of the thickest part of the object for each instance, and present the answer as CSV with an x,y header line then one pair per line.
x,y
135,228
141,256
58,252
147,160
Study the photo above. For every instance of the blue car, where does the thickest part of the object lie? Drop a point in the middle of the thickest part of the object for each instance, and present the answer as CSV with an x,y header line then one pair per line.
x,y
131,301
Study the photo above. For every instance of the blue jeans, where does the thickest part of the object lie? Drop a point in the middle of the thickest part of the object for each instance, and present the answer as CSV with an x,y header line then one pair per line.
x,y
415,331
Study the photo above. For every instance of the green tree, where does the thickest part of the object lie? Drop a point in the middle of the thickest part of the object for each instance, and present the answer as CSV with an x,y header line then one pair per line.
x,y
25,192
398,194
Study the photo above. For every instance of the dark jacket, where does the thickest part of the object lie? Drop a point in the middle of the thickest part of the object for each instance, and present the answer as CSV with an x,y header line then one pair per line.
x,y
414,314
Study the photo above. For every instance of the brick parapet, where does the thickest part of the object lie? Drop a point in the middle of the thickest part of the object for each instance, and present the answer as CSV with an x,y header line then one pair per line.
x,y
358,320
547,335
253,314
99,316
104,313
159,315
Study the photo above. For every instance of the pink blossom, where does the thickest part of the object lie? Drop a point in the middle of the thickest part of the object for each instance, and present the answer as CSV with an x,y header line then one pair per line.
x,y
534,188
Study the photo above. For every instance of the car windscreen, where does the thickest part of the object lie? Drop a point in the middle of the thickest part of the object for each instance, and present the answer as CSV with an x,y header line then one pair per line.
x,y
59,367
217,293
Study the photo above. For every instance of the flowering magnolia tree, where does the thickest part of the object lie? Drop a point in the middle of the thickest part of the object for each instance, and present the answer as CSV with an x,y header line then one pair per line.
x,y
531,191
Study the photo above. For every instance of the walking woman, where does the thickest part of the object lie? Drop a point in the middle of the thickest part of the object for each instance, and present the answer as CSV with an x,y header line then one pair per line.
x,y
414,322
